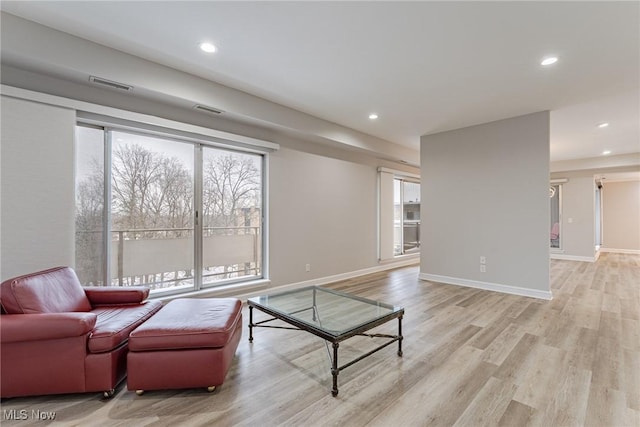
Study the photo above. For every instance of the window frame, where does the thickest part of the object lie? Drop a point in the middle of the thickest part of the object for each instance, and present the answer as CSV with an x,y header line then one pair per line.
x,y
386,213
559,183
198,142
403,179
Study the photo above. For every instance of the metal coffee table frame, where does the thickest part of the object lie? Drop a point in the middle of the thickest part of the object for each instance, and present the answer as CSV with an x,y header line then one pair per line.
x,y
329,336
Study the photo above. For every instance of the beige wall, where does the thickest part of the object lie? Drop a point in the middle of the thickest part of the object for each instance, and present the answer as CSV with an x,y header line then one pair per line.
x,y
621,215
322,212
36,187
485,192
578,217
578,205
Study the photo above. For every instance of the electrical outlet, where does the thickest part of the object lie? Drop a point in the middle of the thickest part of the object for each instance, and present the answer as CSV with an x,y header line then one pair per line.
x,y
483,260
307,267
483,268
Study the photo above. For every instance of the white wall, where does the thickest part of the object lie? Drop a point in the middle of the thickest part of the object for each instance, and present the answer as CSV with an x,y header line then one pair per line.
x,y
621,216
485,192
37,223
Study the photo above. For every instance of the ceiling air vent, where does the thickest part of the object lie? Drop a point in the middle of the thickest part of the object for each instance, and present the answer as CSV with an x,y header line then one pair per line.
x,y
111,84
210,110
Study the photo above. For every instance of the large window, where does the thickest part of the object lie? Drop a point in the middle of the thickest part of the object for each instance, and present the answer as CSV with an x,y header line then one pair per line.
x,y
180,214
406,216
398,214
555,237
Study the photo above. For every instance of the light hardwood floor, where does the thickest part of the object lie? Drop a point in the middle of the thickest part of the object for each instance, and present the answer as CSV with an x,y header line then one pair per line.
x,y
471,358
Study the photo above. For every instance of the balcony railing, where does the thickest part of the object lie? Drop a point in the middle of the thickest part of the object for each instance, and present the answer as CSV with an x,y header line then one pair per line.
x,y
164,257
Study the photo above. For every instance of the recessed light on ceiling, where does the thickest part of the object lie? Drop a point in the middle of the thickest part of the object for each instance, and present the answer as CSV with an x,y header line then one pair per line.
x,y
208,47
373,116
606,152
549,60
603,125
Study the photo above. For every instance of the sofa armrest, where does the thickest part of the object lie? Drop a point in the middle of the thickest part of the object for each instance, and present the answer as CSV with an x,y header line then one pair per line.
x,y
44,326
113,295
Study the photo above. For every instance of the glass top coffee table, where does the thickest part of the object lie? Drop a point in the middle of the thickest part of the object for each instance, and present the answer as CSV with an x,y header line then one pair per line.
x,y
333,316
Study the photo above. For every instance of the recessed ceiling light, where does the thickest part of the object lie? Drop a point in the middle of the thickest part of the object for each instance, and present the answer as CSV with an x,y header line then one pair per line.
x,y
603,125
605,152
550,60
373,116
208,47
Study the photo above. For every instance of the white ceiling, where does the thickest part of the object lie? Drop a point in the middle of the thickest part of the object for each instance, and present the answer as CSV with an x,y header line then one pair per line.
x,y
424,67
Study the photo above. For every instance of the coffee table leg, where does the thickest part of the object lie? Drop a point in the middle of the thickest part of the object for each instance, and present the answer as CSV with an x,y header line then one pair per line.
x,y
250,324
334,369
400,335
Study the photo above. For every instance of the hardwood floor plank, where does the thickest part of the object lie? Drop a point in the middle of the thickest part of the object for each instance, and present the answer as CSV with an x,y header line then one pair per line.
x,y
631,368
501,347
517,414
569,399
581,347
543,375
443,398
520,359
606,407
489,405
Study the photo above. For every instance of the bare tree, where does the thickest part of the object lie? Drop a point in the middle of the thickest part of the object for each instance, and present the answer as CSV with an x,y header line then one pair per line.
x,y
89,221
152,191
231,182
134,171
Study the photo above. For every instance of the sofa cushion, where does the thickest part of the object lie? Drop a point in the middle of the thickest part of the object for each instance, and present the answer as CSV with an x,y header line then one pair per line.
x,y
56,290
189,323
115,323
112,295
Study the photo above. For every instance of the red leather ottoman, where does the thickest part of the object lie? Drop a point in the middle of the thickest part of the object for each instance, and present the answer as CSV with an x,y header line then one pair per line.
x,y
189,343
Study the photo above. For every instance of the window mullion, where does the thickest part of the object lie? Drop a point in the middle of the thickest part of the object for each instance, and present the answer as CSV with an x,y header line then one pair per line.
x,y
402,217
198,220
106,225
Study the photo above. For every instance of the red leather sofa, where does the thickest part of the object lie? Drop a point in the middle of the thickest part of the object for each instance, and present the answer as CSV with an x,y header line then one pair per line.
x,y
58,337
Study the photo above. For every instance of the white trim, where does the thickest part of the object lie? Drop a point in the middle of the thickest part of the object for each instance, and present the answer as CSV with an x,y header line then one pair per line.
x,y
621,251
597,255
496,287
331,279
399,173
117,113
559,181
573,257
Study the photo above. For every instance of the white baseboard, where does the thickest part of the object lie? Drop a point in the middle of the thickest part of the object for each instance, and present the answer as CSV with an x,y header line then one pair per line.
x,y
496,287
621,251
334,278
574,257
